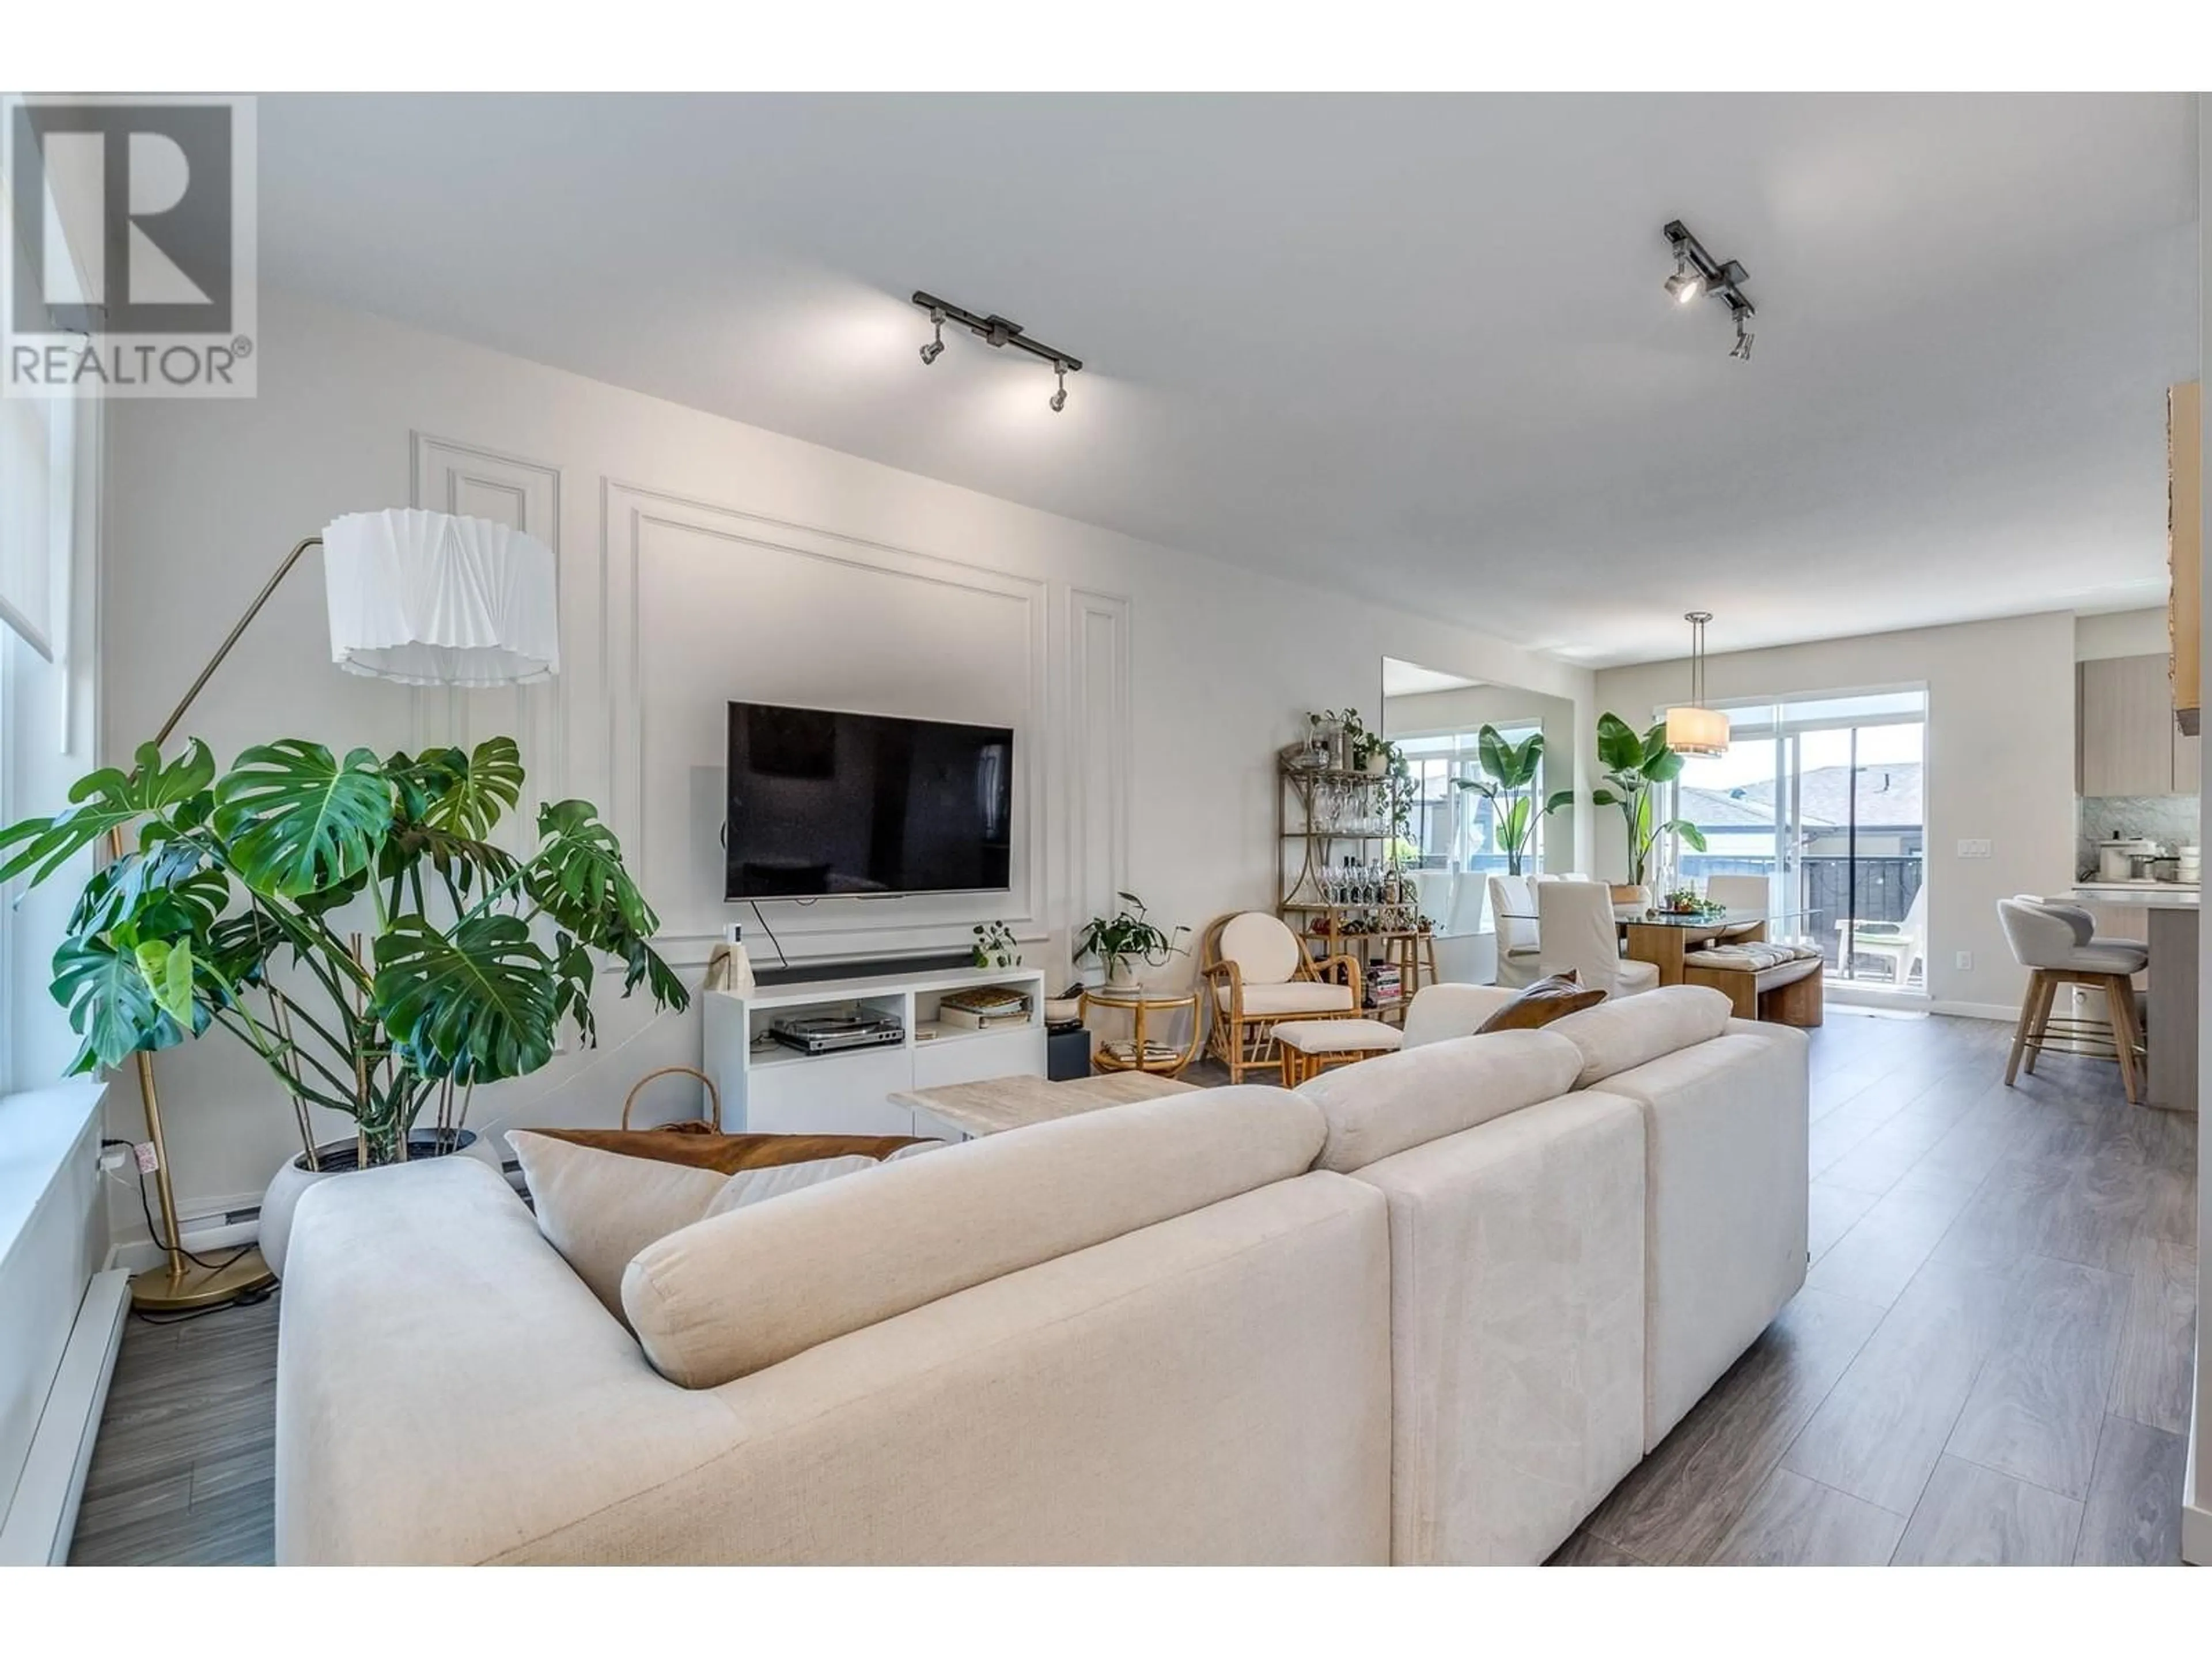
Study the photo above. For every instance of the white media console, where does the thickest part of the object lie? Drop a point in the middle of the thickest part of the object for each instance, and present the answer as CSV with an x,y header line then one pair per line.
x,y
767,1088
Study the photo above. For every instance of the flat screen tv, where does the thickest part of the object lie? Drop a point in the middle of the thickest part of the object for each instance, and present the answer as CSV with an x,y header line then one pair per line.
x,y
822,804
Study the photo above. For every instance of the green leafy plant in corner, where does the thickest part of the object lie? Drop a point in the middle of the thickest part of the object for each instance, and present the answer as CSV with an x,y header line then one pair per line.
x,y
1510,771
1634,769
1128,935
468,959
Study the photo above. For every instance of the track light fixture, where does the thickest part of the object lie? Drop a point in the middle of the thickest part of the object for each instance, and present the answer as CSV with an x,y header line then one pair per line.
x,y
1698,274
998,331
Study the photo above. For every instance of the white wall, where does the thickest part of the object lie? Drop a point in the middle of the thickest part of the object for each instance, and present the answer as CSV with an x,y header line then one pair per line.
x,y
2000,765
2196,1518
2121,634
703,560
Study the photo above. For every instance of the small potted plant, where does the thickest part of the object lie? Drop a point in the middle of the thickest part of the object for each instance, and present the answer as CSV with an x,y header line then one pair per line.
x,y
1111,944
995,947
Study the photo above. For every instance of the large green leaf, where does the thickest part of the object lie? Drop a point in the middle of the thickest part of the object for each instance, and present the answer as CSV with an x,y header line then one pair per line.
x,y
462,793
298,819
1495,755
1559,798
102,801
578,879
167,889
112,1005
238,947
1689,831
476,1005
1619,748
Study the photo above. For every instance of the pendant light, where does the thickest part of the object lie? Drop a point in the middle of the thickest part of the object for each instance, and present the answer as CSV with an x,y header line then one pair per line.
x,y
1696,729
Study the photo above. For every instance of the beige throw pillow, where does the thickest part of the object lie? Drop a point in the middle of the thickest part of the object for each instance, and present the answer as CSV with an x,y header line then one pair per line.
x,y
599,1209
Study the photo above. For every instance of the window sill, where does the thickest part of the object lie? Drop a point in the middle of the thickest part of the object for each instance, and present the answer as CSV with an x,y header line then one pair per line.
x,y
38,1129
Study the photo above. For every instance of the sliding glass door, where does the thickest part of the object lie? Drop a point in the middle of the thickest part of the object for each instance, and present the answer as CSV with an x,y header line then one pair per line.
x,y
1823,797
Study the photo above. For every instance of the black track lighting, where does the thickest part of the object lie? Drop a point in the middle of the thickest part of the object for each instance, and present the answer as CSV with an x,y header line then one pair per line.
x,y
1698,275
996,331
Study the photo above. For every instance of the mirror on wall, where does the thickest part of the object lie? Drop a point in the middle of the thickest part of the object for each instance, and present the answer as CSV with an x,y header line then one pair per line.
x,y
1460,836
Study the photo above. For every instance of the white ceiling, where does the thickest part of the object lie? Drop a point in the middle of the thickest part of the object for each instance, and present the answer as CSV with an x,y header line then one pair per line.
x,y
1416,345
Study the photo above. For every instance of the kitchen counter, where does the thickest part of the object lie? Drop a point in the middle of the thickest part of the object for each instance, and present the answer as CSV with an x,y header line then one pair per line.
x,y
2170,1028
2144,895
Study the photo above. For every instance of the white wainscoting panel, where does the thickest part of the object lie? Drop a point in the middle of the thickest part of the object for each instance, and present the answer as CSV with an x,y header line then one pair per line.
x,y
704,604
1096,754
523,494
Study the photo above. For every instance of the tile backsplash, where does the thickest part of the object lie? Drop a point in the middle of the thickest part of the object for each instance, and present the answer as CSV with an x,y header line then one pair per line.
x,y
2169,820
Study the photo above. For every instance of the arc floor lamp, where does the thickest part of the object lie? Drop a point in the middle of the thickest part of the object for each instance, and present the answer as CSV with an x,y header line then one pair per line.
x,y
426,598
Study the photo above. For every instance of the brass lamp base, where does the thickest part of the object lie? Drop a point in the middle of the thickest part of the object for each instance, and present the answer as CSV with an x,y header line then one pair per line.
x,y
188,1285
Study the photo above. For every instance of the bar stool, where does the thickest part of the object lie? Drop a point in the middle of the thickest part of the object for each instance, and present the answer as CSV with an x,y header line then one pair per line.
x,y
2058,945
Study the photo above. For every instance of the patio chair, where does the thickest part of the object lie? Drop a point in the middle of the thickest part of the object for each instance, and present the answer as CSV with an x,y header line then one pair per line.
x,y
1905,943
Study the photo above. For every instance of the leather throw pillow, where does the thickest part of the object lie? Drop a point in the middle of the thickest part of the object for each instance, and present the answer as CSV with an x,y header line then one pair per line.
x,y
1545,1001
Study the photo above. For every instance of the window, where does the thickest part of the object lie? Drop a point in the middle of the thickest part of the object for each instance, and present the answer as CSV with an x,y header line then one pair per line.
x,y
1823,797
1455,829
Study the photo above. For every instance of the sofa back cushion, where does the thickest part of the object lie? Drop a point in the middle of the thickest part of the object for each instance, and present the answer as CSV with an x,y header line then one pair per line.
x,y
1446,1010
736,1293
1383,1106
600,1207
1620,1034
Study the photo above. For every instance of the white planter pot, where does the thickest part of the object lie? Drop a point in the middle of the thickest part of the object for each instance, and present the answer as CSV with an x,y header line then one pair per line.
x,y
1092,973
1375,765
283,1199
1122,974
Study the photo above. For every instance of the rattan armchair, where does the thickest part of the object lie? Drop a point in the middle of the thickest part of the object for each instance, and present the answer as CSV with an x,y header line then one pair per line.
x,y
1257,975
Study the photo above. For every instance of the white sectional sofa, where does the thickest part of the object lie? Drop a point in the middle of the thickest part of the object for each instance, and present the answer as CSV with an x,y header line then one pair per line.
x,y
1430,1308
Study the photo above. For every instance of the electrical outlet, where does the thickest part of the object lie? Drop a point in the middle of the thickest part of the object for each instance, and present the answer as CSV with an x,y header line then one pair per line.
x,y
1973,850
1964,962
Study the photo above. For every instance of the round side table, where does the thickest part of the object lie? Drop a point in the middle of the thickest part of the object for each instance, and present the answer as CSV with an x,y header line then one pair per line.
x,y
1135,1052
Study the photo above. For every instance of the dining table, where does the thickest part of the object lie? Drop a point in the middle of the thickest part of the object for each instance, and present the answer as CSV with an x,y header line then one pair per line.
x,y
1662,939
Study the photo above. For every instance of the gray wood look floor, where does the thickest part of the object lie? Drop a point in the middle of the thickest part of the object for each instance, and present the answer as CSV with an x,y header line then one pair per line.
x,y
1988,1364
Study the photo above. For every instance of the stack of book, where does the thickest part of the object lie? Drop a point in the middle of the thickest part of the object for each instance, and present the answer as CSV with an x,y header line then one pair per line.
x,y
1383,985
980,1007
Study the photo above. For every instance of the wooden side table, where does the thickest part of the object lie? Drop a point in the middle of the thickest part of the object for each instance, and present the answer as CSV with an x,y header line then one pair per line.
x,y
1135,1053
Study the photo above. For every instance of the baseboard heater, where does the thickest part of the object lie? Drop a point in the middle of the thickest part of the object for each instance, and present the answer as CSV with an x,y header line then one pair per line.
x,y
41,1518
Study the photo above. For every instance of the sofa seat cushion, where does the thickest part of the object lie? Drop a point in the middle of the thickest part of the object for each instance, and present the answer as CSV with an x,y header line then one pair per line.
x,y
598,1208
1626,1032
1383,1106
1298,996
735,1293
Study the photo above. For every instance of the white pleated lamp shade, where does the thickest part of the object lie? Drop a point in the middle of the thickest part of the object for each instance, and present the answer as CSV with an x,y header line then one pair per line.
x,y
431,598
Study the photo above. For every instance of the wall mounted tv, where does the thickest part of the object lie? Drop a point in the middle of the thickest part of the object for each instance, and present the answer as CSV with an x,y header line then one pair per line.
x,y
823,804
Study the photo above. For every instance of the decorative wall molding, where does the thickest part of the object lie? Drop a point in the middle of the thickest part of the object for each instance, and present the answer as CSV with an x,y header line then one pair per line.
x,y
632,516
1095,743
450,477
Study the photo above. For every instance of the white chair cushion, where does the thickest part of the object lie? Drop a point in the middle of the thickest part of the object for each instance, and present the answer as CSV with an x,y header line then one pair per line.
x,y
1265,952
1383,1106
1341,1037
1634,978
1300,996
1621,1035
736,1293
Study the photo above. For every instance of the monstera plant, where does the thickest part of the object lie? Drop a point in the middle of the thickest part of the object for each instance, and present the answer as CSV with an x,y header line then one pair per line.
x,y
466,961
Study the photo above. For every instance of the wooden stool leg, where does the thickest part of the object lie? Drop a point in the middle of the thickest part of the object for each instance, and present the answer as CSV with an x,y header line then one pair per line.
x,y
2123,1034
2046,992
2026,1026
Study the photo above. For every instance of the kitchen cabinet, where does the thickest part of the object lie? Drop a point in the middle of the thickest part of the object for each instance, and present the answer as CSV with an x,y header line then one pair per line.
x,y
2124,731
